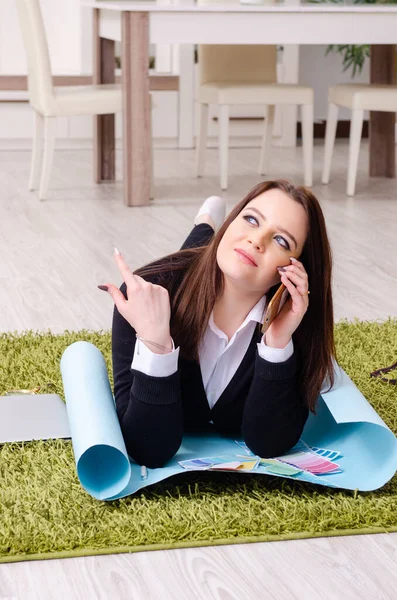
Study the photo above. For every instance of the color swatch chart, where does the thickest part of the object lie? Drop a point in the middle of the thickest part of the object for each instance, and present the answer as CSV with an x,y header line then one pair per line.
x,y
300,459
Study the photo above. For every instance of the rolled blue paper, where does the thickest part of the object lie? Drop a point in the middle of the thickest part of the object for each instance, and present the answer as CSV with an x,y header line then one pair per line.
x,y
345,421
102,462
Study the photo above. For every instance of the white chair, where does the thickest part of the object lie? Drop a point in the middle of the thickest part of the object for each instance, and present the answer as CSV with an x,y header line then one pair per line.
x,y
357,97
243,75
50,102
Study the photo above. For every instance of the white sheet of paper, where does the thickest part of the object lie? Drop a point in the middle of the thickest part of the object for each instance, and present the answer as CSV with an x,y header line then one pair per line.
x,y
29,417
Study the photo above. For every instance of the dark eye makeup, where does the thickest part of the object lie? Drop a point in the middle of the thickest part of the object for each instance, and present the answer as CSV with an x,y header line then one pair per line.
x,y
284,245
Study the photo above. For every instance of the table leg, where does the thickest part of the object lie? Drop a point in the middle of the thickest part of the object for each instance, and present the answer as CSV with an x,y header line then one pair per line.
x,y
104,125
136,107
186,96
289,112
381,131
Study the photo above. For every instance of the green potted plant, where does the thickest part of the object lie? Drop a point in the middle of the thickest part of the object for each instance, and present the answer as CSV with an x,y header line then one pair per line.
x,y
353,56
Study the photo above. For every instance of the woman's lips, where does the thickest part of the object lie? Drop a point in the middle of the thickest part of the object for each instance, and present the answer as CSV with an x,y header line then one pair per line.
x,y
245,258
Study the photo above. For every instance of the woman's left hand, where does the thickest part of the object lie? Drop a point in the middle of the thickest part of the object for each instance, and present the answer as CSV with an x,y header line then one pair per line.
x,y
287,321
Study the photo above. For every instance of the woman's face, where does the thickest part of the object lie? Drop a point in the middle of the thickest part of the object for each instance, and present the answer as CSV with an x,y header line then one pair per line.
x,y
269,230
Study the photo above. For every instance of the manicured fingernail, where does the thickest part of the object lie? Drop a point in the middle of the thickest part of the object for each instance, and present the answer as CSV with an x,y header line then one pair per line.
x,y
103,287
293,259
281,268
116,250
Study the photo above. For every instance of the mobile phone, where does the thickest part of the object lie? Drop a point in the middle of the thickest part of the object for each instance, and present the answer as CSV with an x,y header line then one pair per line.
x,y
274,307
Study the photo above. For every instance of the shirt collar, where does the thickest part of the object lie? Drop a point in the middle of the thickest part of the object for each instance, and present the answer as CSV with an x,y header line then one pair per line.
x,y
256,314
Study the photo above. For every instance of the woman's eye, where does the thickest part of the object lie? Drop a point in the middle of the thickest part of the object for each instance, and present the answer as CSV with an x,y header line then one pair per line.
x,y
283,243
248,217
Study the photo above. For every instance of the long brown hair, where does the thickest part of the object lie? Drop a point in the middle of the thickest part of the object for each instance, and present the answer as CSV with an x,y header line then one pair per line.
x,y
201,282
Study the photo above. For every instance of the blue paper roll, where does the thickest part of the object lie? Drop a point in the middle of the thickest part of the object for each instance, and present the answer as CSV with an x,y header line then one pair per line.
x,y
101,457
345,421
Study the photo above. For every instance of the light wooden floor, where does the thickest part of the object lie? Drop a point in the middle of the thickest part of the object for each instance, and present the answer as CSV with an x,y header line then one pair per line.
x,y
53,255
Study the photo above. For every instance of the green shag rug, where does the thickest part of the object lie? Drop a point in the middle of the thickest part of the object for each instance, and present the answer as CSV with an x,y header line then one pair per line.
x,y
45,513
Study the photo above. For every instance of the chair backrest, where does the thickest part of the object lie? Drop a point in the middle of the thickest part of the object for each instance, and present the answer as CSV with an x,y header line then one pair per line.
x,y
37,55
238,63
243,64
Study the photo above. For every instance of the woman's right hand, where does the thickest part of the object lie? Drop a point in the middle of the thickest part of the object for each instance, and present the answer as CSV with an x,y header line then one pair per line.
x,y
147,307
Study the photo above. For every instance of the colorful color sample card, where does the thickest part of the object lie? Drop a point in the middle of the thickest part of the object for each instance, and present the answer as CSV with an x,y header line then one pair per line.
x,y
219,463
301,457
272,465
330,454
244,447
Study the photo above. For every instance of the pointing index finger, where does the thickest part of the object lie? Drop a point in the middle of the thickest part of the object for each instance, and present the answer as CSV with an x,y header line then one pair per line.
x,y
126,273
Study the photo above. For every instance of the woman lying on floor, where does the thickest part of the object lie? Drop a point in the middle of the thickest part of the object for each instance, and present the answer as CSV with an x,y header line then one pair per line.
x,y
187,347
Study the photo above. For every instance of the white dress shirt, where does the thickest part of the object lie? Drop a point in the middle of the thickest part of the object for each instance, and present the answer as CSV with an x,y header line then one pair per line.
x,y
219,357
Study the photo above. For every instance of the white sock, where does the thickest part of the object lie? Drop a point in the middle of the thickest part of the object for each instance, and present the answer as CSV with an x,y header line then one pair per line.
x,y
216,208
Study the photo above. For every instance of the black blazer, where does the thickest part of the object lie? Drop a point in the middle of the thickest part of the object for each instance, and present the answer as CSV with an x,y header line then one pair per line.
x,y
261,402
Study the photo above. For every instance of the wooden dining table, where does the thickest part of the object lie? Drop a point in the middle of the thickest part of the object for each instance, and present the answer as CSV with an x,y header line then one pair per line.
x,y
136,24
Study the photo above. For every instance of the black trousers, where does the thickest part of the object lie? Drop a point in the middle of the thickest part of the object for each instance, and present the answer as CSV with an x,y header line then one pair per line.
x,y
200,235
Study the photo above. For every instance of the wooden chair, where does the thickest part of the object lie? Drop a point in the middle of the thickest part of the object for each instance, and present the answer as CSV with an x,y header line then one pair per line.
x,y
243,75
357,97
49,102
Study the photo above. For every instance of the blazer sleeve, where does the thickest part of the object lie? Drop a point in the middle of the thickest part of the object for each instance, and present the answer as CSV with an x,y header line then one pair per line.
x,y
149,408
274,412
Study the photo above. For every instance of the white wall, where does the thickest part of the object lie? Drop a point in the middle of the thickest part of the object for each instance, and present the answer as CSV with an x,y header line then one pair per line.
x,y
63,24
320,71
